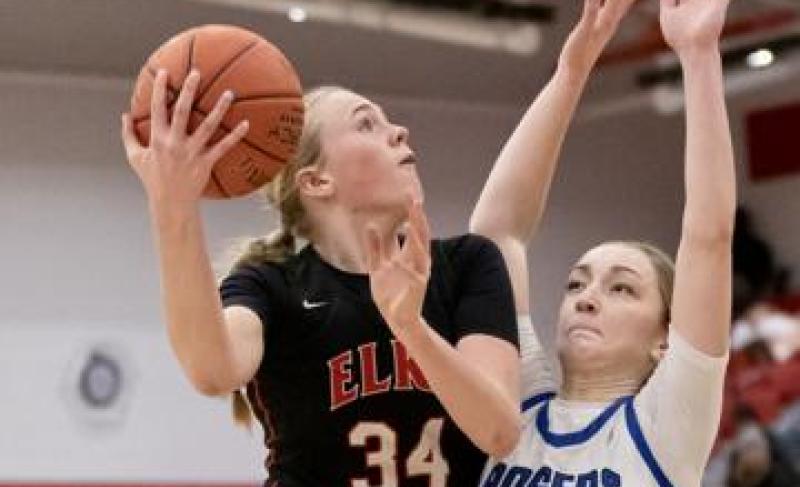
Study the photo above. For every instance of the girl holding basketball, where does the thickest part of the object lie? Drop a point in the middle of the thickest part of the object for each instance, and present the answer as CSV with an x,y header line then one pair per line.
x,y
642,348
373,356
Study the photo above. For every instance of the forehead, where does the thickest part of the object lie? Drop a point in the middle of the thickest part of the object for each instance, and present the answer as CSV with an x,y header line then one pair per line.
x,y
605,257
339,106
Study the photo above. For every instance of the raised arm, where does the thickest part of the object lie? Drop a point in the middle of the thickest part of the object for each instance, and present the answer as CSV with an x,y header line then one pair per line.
x,y
510,207
682,400
702,295
477,381
217,351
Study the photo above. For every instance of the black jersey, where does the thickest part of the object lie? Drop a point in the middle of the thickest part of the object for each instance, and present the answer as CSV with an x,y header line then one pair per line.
x,y
340,400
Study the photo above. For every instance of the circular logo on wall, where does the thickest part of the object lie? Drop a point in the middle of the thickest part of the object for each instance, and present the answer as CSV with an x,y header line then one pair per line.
x,y
99,383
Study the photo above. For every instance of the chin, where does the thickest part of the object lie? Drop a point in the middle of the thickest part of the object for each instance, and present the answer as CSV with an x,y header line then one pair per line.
x,y
581,349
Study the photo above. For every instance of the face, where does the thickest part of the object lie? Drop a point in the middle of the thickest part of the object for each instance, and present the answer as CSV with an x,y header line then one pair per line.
x,y
611,315
368,158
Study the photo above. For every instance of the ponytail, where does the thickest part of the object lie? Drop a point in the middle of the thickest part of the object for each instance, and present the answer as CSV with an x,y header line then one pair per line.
x,y
240,408
275,248
282,195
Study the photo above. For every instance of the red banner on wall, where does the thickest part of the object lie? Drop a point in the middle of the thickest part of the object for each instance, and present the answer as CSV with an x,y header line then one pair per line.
x,y
773,142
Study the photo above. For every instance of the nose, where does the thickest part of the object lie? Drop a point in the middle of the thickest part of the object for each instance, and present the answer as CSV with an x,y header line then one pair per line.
x,y
400,135
587,303
585,306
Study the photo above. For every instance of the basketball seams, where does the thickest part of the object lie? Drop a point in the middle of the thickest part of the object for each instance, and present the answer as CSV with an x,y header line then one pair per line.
x,y
274,108
244,141
224,69
227,130
267,97
276,97
224,127
215,179
173,91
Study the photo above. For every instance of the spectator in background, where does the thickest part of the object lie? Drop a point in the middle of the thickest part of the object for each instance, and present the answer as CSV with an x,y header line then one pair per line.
x,y
757,459
764,322
756,276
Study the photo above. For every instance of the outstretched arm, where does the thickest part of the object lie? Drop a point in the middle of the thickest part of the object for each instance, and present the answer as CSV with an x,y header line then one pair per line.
x,y
702,295
510,207
681,402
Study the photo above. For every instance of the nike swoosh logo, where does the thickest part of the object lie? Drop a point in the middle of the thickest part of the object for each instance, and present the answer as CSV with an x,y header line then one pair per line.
x,y
309,305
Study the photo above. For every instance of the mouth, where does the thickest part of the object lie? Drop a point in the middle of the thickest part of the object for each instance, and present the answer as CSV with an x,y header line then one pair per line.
x,y
409,159
583,329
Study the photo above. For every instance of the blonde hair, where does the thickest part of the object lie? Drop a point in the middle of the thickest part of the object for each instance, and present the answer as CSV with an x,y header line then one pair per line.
x,y
281,194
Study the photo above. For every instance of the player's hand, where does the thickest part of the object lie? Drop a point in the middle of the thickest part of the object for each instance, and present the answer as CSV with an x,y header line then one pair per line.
x,y
399,276
692,25
175,167
597,26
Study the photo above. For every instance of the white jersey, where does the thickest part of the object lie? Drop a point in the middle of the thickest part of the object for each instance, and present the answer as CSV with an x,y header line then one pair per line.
x,y
609,451
660,437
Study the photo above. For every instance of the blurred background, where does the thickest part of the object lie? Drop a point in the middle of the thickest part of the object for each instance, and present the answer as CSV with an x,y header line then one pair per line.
x,y
90,391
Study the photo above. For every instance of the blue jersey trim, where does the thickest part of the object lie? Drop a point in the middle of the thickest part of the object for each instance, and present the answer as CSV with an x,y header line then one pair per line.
x,y
559,440
635,430
534,400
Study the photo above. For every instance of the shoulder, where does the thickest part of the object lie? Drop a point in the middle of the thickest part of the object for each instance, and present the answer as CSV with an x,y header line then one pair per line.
x,y
467,247
465,242
271,272
262,273
271,289
273,281
473,263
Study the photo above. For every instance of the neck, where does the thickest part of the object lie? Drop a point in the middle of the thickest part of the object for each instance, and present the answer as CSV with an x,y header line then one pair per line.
x,y
598,385
341,240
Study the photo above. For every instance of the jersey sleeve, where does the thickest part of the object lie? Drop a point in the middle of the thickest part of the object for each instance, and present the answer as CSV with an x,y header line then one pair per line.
x,y
536,369
484,301
249,286
679,409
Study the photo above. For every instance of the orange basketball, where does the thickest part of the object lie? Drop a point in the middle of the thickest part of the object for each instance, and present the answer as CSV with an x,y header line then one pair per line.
x,y
267,94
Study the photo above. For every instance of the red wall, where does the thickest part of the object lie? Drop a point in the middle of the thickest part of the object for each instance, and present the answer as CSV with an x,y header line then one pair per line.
x,y
773,141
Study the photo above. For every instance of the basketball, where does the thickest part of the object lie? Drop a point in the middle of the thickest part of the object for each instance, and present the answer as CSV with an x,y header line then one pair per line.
x,y
267,93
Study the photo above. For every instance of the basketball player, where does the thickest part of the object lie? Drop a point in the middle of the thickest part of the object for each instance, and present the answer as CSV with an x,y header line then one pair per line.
x,y
373,356
642,361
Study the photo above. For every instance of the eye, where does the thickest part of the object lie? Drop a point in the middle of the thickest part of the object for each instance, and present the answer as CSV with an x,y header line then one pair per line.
x,y
574,285
622,288
366,124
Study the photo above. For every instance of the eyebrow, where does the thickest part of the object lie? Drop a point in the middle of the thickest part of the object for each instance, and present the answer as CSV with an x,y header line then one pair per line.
x,y
584,268
366,106
622,268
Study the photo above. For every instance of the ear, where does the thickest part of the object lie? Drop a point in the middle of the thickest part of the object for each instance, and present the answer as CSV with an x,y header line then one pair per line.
x,y
314,182
657,353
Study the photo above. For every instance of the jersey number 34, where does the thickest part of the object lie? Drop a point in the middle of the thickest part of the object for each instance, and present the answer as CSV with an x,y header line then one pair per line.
x,y
425,459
